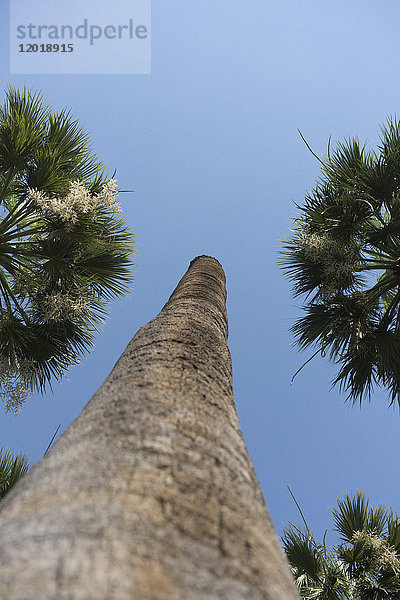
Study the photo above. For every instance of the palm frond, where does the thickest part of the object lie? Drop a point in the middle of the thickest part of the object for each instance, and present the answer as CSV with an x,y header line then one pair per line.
x,y
351,515
13,466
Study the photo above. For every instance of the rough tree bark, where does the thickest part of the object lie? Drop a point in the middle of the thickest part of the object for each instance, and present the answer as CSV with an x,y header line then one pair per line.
x,y
150,493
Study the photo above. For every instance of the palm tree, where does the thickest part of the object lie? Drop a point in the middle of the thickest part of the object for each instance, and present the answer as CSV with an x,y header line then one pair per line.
x,y
365,566
344,259
64,248
150,493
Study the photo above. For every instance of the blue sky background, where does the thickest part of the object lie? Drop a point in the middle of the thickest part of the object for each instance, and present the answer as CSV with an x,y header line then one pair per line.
x,y
209,143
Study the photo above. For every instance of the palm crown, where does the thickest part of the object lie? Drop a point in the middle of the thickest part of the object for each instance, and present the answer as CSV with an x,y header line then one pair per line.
x,y
364,566
64,248
344,259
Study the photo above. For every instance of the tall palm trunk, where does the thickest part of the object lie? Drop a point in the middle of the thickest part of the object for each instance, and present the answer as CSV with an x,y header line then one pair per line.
x,y
150,494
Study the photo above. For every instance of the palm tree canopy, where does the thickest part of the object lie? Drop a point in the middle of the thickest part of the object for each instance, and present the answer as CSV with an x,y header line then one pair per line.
x,y
365,566
343,259
64,247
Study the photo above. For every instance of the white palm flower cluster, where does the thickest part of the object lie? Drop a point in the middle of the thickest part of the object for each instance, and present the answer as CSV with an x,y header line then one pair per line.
x,y
322,250
58,306
382,555
108,196
316,247
338,273
14,384
78,201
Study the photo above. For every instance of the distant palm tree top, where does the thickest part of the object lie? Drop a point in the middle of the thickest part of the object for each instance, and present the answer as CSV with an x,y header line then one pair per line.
x,y
64,248
343,258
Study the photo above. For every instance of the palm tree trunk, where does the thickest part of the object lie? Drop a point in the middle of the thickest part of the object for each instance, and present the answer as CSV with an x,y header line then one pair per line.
x,y
150,493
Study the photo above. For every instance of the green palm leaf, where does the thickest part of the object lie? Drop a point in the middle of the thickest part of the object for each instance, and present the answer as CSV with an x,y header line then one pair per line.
x,y
12,467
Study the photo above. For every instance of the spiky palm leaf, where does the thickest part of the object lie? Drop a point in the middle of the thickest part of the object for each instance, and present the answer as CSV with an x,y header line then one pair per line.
x,y
13,466
344,258
61,262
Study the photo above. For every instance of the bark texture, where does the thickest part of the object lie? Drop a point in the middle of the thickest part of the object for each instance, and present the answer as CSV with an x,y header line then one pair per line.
x,y
150,494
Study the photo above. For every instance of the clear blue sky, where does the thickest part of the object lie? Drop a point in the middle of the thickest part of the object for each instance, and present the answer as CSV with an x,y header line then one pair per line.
x,y
209,143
